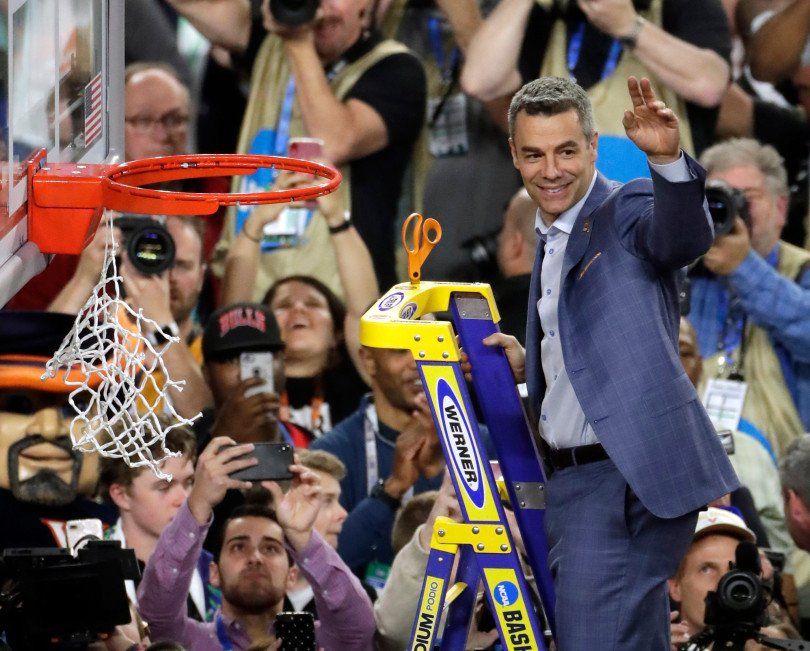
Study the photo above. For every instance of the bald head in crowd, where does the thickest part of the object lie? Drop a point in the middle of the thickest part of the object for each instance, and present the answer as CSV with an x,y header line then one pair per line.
x,y
517,241
156,112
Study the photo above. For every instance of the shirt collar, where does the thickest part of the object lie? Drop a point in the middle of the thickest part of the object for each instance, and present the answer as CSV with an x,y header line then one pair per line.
x,y
565,222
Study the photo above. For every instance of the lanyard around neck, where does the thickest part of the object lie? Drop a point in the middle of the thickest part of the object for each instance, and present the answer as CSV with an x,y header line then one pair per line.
x,y
575,48
371,429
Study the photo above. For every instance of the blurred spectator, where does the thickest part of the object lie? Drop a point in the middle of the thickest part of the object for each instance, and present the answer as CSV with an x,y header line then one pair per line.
x,y
795,474
750,302
757,109
752,460
467,175
146,504
794,470
681,46
713,548
231,331
342,94
253,563
331,471
517,245
391,451
157,110
321,335
44,481
779,42
150,36
169,299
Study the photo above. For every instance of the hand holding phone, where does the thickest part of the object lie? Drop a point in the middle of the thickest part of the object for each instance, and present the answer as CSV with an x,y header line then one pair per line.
x,y
257,365
274,463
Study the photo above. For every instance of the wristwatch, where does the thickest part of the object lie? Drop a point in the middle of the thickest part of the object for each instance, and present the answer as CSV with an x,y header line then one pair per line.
x,y
629,40
378,493
343,226
157,338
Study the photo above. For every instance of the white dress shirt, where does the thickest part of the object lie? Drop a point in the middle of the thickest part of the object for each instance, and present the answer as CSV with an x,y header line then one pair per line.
x,y
562,422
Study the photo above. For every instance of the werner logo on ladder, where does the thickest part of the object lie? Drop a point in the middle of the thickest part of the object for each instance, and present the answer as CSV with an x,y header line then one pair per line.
x,y
483,541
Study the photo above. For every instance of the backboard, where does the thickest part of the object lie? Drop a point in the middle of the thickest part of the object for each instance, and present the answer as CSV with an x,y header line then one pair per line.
x,y
61,89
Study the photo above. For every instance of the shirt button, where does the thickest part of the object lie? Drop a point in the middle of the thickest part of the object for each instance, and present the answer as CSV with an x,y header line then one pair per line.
x,y
550,251
555,376
548,292
191,535
543,417
551,333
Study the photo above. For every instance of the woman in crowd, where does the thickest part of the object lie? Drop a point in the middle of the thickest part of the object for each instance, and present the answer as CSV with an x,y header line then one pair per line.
x,y
320,333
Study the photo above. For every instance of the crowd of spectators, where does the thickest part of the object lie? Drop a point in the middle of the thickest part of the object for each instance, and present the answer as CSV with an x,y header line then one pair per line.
x,y
409,99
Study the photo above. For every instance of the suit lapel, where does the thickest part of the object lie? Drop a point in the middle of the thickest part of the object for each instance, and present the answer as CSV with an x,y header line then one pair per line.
x,y
581,233
533,369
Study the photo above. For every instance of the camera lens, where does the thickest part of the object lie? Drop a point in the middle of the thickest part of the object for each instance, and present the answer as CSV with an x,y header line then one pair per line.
x,y
294,12
739,591
151,248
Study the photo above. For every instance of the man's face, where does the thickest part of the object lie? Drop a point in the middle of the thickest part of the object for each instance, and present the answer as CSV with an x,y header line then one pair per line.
x,y
555,160
149,503
187,275
253,566
706,561
338,25
331,515
394,373
224,377
156,108
797,518
37,460
688,350
768,212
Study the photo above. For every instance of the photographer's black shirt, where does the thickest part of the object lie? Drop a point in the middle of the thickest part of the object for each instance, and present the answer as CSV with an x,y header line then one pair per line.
x,y
396,88
705,26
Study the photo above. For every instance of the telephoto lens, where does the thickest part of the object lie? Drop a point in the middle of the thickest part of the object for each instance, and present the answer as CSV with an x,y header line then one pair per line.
x,y
725,205
149,245
292,13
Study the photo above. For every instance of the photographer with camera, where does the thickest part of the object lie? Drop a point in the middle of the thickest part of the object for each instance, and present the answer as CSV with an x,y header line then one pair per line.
x,y
318,71
721,538
167,294
253,563
750,297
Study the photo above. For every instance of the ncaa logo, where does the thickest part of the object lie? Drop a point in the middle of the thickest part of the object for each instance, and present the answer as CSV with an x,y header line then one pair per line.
x,y
505,593
459,437
392,300
408,311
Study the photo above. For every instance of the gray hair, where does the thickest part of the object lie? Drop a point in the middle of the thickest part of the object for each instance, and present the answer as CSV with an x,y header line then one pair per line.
x,y
739,152
552,96
794,468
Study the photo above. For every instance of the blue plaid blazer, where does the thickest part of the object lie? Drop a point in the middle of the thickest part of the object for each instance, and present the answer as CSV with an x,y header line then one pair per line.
x,y
619,316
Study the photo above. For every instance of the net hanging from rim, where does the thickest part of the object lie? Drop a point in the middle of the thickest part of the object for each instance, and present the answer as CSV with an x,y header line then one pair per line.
x,y
107,345
119,364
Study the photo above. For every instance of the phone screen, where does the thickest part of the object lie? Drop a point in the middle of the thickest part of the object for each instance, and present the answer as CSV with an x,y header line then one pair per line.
x,y
259,365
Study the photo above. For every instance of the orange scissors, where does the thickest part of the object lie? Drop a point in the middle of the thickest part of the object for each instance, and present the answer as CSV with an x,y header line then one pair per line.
x,y
422,243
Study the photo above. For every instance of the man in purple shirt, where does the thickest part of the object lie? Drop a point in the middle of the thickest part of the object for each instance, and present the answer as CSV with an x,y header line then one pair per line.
x,y
253,565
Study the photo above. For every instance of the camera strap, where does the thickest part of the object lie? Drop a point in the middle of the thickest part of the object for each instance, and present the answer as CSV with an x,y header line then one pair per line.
x,y
575,48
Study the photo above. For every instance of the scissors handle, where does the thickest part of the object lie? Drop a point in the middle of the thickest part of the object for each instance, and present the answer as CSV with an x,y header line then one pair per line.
x,y
423,243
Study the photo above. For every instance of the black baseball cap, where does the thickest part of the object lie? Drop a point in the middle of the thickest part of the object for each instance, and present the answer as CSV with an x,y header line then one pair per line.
x,y
239,328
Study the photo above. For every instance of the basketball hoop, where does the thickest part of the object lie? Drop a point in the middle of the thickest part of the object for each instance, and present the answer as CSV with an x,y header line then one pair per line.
x,y
65,205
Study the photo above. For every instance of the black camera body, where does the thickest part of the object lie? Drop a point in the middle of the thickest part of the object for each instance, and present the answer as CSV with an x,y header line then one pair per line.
x,y
147,242
53,599
292,13
725,205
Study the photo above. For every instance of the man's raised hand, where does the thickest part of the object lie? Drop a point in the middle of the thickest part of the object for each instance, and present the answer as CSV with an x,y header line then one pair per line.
x,y
211,478
297,509
651,125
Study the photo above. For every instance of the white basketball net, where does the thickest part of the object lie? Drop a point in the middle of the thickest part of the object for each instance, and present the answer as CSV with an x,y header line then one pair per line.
x,y
114,418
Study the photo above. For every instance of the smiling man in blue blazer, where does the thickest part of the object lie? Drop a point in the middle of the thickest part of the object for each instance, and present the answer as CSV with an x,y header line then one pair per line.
x,y
632,452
